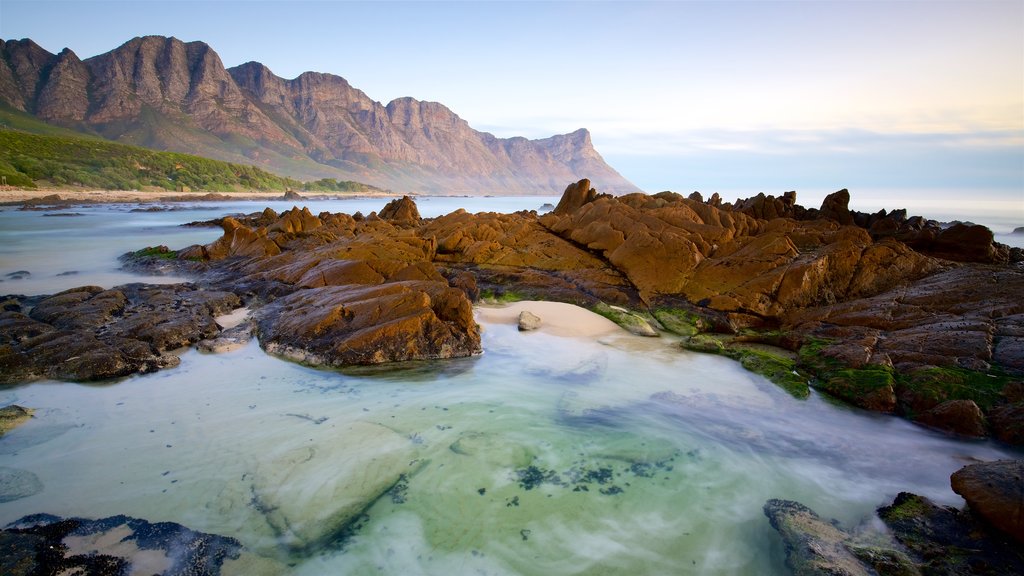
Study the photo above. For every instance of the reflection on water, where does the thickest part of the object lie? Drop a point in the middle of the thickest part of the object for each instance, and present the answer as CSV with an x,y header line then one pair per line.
x,y
547,454
650,460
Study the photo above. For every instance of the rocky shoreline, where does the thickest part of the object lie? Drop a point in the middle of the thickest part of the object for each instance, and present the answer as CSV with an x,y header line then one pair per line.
x,y
888,313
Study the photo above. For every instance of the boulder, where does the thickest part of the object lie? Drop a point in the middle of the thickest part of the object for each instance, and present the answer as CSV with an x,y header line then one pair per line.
x,y
1007,422
575,196
402,210
995,491
958,416
836,206
528,321
358,325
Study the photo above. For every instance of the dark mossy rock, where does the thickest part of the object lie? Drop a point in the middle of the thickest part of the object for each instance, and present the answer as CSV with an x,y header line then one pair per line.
x,y
118,545
947,541
630,321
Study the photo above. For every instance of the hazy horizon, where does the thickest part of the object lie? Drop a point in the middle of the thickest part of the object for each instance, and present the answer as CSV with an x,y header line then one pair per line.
x,y
759,96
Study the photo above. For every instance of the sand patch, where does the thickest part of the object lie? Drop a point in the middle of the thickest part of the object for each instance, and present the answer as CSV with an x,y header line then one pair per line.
x,y
557,318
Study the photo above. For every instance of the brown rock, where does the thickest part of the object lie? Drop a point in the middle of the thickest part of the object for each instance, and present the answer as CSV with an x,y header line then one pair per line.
x,y
402,210
1007,423
958,416
995,490
12,416
528,321
836,206
348,325
575,196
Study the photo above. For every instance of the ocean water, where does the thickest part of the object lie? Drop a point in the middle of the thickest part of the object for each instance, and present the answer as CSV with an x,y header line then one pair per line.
x,y
547,454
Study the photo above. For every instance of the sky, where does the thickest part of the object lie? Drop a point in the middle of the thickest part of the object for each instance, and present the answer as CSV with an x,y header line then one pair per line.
x,y
923,100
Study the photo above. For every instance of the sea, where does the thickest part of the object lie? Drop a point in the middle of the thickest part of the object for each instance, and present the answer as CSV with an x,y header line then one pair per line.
x,y
547,454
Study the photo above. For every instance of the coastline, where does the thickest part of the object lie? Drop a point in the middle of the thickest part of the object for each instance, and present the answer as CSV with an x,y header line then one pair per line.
x,y
72,196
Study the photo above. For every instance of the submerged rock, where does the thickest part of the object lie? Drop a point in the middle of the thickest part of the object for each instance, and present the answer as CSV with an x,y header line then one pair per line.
x,y
16,484
45,544
313,495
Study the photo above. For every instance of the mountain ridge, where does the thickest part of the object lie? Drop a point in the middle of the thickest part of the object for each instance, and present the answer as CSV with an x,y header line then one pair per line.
x,y
163,93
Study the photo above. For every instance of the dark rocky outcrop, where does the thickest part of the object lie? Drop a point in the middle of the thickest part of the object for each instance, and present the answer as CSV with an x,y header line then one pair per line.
x,y
45,544
167,94
89,333
946,541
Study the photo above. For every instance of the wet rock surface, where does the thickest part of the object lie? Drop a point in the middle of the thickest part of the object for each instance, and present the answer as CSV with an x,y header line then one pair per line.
x,y
45,544
89,333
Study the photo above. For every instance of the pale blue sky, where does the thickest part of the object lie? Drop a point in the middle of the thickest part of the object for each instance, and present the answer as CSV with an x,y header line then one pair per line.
x,y
728,96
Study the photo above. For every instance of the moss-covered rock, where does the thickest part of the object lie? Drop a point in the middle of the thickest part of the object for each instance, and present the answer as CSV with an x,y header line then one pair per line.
x,y
870,387
775,366
630,321
678,321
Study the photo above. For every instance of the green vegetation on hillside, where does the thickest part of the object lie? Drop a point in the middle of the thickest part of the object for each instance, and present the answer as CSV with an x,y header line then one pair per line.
x,y
61,160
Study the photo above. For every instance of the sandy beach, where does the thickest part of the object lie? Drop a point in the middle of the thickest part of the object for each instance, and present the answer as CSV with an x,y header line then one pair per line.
x,y
557,318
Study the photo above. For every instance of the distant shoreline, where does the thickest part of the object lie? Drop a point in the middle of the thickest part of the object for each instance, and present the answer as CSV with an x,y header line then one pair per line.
x,y
71,196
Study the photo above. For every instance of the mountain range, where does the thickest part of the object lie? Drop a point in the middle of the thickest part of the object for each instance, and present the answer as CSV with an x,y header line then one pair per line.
x,y
166,94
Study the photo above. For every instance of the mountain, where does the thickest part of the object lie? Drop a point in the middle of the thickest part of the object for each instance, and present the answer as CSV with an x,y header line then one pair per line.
x,y
167,94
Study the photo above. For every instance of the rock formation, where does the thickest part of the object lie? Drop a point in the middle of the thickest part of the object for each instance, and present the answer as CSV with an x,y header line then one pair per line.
x,y
171,95
870,320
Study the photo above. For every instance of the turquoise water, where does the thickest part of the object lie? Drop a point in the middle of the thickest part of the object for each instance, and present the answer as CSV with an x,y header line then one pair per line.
x,y
545,455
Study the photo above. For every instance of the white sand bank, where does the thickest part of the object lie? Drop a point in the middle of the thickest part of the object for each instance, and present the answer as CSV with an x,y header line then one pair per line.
x,y
556,318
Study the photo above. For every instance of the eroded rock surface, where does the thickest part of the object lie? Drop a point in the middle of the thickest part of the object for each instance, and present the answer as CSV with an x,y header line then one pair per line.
x,y
995,490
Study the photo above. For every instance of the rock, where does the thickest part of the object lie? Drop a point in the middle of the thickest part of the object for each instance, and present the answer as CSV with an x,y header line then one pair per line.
x,y
958,416
312,495
292,195
1019,231
16,484
948,541
836,206
12,416
630,321
88,333
813,546
995,491
45,544
228,340
1007,423
402,210
353,325
575,196
528,321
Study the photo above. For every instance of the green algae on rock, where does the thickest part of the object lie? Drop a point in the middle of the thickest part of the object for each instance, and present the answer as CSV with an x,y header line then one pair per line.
x,y
13,416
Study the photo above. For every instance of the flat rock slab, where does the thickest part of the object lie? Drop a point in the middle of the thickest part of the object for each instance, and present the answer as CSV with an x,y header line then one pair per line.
x,y
16,484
